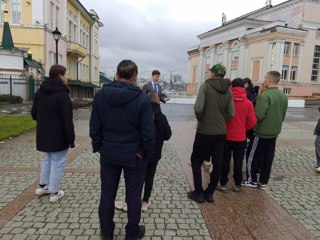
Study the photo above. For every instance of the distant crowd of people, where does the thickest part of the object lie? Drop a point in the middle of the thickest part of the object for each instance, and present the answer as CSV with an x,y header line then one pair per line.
x,y
128,128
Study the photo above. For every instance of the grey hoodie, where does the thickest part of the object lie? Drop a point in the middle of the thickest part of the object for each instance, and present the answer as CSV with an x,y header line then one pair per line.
x,y
214,105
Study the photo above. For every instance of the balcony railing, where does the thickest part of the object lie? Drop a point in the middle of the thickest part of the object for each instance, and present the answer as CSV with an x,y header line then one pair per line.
x,y
76,49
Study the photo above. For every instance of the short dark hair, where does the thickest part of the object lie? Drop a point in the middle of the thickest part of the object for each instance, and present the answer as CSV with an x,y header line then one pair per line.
x,y
57,70
127,69
275,75
247,80
238,82
155,72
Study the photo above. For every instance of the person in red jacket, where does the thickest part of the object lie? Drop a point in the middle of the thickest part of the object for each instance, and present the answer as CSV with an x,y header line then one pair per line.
x,y
236,139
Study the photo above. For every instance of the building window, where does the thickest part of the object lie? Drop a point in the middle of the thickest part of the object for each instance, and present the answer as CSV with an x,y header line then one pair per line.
x,y
293,73
75,32
235,56
220,59
72,27
296,48
284,73
16,11
315,65
70,30
2,7
287,91
318,34
57,17
287,48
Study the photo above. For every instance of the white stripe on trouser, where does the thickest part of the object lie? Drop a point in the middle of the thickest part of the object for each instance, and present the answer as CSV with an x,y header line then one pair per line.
x,y
251,156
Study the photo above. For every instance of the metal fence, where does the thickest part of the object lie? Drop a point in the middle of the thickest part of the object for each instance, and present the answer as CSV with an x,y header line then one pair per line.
x,y
16,85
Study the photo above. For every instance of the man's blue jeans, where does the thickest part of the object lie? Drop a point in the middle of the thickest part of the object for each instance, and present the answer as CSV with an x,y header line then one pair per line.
x,y
52,169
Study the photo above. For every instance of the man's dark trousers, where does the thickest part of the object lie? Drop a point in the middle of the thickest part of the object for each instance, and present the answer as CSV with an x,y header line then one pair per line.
x,y
237,150
204,146
134,179
262,150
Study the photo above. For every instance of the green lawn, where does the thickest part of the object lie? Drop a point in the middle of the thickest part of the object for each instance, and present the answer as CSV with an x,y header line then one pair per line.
x,y
13,126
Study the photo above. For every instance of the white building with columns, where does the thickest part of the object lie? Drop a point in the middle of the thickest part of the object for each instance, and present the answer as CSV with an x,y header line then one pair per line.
x,y
284,37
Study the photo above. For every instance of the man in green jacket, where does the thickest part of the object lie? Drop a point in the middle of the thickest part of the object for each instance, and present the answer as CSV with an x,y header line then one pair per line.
x,y
270,109
214,105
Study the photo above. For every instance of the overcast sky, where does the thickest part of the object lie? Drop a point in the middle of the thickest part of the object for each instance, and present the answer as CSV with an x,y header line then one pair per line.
x,y
157,34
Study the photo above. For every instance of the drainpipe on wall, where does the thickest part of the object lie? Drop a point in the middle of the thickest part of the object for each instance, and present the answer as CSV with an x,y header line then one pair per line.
x,y
90,52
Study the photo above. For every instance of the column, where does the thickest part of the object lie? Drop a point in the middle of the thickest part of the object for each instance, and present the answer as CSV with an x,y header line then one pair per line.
x,y
213,55
226,57
300,54
242,59
279,55
201,64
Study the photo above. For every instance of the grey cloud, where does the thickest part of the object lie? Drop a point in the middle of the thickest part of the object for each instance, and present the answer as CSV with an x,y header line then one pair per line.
x,y
151,43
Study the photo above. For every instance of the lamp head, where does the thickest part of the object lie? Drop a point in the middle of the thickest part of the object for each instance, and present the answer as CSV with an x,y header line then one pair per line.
x,y
56,34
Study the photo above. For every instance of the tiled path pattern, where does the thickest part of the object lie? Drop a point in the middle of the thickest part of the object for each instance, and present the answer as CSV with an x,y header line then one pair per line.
x,y
172,215
294,186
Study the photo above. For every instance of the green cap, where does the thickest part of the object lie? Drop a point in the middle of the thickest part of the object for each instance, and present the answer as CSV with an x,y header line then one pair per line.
x,y
219,70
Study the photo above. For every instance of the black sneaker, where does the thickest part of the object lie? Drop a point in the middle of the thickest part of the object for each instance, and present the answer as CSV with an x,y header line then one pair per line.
x,y
103,237
198,197
209,197
142,231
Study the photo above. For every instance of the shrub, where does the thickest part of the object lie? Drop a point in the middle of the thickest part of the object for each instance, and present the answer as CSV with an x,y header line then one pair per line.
x,y
11,99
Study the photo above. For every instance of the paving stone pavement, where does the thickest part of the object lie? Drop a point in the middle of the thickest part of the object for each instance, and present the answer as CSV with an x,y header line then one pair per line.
x,y
171,216
293,185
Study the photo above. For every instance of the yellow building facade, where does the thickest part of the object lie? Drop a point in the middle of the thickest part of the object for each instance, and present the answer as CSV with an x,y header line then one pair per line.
x,y
32,23
25,34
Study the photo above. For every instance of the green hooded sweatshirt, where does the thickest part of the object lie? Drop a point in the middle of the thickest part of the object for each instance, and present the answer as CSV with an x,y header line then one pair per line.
x,y
214,105
270,109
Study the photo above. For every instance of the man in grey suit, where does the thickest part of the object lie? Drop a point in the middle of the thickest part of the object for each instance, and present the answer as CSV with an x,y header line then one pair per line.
x,y
153,86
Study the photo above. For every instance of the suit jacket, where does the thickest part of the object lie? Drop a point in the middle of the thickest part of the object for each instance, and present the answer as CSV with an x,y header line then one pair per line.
x,y
148,87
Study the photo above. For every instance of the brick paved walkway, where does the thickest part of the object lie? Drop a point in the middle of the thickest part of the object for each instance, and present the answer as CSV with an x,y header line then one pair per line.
x,y
24,216
289,209
293,192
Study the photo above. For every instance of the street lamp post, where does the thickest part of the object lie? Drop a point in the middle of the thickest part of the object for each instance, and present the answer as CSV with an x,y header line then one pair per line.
x,y
56,35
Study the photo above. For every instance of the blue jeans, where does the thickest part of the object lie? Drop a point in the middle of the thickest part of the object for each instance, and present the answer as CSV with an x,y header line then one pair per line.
x,y
317,147
52,169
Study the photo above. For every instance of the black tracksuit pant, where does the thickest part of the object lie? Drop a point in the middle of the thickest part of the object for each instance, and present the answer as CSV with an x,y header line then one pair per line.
x,y
237,150
134,179
261,153
204,146
148,185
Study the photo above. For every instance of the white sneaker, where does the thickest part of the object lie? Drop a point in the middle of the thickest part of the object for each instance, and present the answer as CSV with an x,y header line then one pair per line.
x,y
120,205
42,191
56,197
318,170
145,206
206,163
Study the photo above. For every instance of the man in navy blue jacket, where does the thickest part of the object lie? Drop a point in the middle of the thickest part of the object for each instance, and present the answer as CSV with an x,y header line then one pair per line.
x,y
122,131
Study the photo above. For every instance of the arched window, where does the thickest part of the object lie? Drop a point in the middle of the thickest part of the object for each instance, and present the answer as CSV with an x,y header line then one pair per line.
x,y
235,51
220,48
